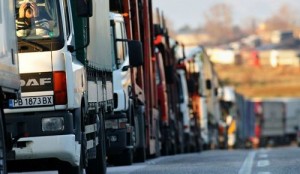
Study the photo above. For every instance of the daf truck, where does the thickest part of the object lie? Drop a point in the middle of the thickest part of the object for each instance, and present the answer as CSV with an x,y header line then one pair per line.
x,y
137,15
121,125
67,89
273,122
173,134
185,109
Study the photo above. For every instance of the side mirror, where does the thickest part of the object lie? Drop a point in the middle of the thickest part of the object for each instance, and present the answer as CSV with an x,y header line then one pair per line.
x,y
216,91
169,72
191,86
135,49
158,30
116,5
84,8
208,84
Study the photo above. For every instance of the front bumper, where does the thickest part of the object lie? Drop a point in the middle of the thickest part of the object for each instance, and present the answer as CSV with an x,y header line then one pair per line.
x,y
62,147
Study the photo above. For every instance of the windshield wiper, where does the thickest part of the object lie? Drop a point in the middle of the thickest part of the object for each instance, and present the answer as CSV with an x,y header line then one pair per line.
x,y
35,45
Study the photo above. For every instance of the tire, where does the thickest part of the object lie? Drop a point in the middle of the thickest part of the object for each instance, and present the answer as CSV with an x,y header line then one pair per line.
x,y
181,142
199,142
98,165
166,144
140,155
69,169
157,140
140,151
205,146
2,145
125,159
173,138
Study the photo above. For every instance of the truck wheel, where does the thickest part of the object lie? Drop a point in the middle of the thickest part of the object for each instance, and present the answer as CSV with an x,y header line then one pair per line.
x,y
69,169
157,140
187,146
125,159
2,145
166,144
140,151
181,142
140,154
199,144
173,138
98,165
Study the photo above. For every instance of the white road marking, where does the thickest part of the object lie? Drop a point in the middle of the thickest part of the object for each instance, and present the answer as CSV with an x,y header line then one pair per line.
x,y
263,163
125,169
248,163
264,150
263,156
264,173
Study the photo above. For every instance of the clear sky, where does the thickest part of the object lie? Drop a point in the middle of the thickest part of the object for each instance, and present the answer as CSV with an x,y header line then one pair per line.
x,y
190,12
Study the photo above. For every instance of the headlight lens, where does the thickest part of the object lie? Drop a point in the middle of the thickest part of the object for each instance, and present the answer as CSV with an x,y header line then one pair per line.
x,y
53,124
111,124
116,123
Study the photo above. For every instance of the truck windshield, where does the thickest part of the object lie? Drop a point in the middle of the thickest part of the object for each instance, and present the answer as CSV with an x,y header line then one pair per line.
x,y
37,21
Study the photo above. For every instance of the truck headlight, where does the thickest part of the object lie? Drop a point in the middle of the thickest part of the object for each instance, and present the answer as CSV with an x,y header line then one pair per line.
x,y
53,124
120,123
111,124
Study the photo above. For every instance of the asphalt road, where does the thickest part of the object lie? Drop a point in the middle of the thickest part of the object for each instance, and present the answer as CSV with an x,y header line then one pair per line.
x,y
283,160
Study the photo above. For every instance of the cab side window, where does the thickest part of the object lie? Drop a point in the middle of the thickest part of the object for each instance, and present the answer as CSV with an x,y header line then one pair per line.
x,y
121,44
67,18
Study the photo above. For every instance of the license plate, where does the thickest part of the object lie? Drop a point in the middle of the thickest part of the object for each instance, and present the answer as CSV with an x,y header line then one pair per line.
x,y
31,101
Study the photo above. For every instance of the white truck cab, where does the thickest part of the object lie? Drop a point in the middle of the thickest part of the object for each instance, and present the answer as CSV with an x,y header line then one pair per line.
x,y
66,83
121,126
184,106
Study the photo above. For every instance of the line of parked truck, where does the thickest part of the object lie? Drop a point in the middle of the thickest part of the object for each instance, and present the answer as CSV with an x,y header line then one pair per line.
x,y
262,122
107,85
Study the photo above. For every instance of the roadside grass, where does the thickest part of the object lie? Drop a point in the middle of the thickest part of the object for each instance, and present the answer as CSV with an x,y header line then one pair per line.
x,y
266,81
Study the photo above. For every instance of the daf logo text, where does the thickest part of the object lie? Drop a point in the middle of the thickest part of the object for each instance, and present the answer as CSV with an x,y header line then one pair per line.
x,y
36,82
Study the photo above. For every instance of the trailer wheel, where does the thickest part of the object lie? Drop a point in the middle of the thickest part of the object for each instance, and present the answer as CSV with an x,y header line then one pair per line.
x,y
98,165
2,145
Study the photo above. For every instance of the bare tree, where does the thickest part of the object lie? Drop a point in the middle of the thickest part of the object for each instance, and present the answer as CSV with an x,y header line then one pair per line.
x,y
249,25
283,19
218,22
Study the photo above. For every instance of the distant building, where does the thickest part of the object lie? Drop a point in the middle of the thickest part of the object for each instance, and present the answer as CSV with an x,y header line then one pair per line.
x,y
223,56
278,37
193,37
